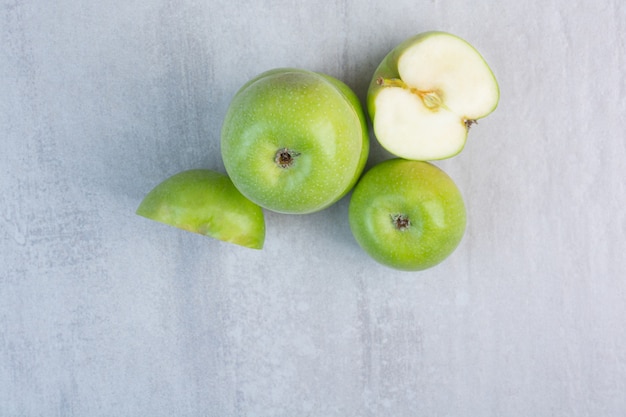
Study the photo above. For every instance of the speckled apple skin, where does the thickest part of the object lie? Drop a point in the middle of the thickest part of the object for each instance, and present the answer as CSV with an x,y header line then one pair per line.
x,y
422,192
313,114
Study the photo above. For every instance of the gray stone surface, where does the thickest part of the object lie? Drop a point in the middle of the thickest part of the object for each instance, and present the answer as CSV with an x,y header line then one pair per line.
x,y
104,313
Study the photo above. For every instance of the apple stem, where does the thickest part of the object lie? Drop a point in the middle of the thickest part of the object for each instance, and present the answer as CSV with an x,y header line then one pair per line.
x,y
401,222
391,82
285,157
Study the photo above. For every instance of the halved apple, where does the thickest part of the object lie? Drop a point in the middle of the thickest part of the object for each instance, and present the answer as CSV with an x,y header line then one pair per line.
x,y
206,202
426,93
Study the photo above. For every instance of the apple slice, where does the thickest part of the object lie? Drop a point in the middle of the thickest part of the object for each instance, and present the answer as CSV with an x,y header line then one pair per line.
x,y
426,93
206,202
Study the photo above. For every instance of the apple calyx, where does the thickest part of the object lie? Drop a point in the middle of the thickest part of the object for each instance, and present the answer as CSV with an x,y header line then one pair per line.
x,y
285,157
401,222
469,123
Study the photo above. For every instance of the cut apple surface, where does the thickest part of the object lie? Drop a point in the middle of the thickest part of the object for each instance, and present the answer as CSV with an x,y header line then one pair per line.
x,y
426,94
206,202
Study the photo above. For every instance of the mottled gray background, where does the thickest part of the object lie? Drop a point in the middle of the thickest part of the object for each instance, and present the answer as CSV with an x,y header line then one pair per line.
x,y
104,313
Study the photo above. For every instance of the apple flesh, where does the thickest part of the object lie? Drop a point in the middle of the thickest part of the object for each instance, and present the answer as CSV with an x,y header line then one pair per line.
x,y
206,202
294,141
426,93
408,215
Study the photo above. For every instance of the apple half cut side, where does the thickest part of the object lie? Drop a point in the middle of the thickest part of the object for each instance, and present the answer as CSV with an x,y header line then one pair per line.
x,y
206,202
427,93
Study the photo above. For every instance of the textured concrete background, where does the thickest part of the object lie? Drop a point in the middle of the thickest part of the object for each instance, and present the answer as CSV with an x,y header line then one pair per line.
x,y
104,313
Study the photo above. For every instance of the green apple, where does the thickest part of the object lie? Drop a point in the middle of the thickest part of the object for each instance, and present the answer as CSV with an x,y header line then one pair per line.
x,y
206,202
426,93
294,141
408,215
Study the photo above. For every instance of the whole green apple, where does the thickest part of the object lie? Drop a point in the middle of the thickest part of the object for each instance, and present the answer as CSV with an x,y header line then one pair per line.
x,y
294,141
408,215
426,93
206,202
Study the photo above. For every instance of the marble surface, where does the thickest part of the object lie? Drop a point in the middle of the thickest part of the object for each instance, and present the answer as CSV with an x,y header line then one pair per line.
x,y
104,313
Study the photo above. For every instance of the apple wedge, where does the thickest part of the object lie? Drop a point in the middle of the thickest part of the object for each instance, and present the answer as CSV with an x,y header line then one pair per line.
x,y
206,202
427,93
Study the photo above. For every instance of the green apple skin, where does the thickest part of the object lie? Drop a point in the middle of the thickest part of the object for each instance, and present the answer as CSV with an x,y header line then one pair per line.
x,y
407,215
206,202
316,119
388,70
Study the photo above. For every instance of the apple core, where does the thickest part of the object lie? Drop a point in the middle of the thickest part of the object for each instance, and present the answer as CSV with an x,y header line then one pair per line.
x,y
433,100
